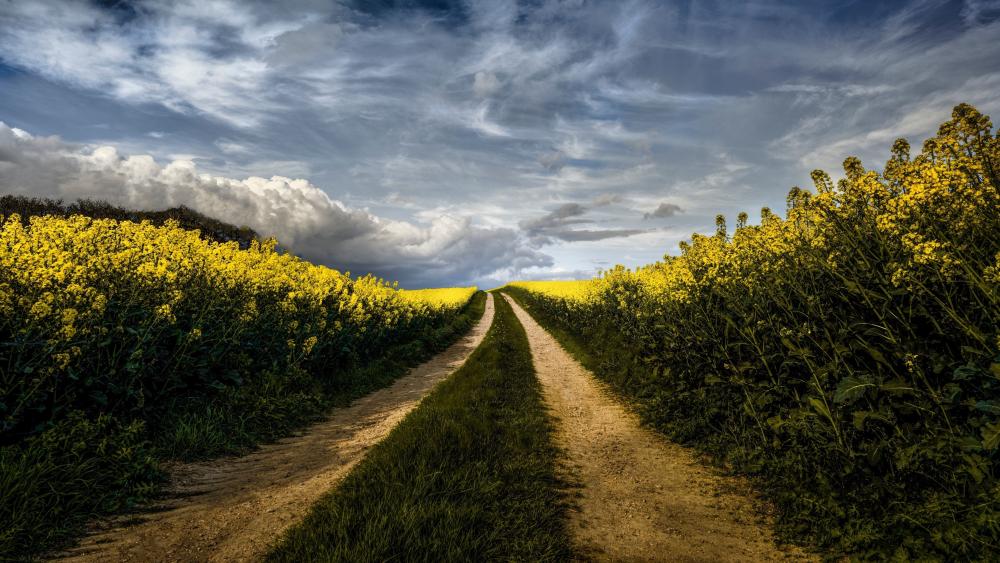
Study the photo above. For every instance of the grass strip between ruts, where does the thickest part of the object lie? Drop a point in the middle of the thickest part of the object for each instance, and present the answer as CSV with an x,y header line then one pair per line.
x,y
469,475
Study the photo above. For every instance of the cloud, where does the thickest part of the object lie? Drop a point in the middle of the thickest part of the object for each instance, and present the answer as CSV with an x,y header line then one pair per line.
x,y
453,116
552,160
446,249
311,44
846,90
608,199
231,147
557,225
980,11
162,55
479,120
485,84
581,235
663,211
559,217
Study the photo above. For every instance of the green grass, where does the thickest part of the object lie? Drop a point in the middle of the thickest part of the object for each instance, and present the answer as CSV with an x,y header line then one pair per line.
x,y
470,475
53,483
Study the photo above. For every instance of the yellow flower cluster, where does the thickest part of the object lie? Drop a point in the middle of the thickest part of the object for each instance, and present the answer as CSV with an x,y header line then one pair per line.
x,y
444,297
862,325
147,303
574,290
928,220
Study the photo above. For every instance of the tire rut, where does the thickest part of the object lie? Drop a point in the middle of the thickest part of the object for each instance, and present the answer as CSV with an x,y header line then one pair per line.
x,y
233,509
641,497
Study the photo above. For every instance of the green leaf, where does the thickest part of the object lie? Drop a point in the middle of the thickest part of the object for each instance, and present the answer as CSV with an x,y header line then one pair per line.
x,y
991,436
878,356
819,406
995,370
775,422
99,397
988,406
850,389
970,444
897,387
951,392
965,372
972,466
860,417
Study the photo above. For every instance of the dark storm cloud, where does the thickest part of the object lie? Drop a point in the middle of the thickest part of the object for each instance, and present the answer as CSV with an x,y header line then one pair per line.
x,y
483,112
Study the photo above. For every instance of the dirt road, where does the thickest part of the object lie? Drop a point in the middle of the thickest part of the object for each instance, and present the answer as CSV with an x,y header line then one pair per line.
x,y
233,509
642,498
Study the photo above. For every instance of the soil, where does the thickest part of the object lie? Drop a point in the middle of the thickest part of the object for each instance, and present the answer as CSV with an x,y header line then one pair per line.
x,y
641,497
234,509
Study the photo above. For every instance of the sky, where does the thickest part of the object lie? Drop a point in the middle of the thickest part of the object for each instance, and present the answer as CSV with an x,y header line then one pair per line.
x,y
456,142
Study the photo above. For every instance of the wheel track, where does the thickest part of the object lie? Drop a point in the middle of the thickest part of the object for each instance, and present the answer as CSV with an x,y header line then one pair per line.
x,y
233,509
641,497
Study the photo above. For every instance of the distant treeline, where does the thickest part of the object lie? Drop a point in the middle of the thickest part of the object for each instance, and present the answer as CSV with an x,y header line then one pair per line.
x,y
211,229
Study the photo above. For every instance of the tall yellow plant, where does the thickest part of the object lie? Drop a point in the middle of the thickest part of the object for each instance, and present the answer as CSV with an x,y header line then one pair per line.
x,y
110,315
848,351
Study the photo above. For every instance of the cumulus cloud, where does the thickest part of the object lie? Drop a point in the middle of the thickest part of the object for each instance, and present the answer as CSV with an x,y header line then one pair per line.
x,y
663,211
445,249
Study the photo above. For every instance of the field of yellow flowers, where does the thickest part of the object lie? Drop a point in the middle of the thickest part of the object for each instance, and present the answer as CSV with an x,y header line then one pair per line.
x,y
114,333
847,354
447,297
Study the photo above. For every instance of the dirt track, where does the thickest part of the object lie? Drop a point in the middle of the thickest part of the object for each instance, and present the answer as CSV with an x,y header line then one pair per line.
x,y
233,509
642,498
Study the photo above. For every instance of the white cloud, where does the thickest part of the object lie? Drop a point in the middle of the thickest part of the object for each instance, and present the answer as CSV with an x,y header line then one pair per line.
x,y
499,112
443,249
169,57
485,84
231,147
480,121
